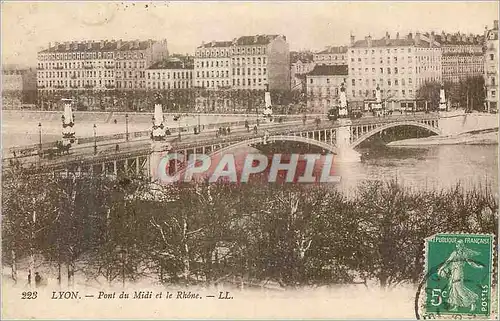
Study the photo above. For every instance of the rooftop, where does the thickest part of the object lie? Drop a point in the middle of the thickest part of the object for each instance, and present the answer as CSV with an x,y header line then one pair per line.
x,y
171,63
417,40
304,56
327,70
333,50
242,41
459,39
95,46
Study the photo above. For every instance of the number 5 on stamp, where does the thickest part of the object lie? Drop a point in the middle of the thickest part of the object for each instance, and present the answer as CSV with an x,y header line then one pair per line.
x,y
459,269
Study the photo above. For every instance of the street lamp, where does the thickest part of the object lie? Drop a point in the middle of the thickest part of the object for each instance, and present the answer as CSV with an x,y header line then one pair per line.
x,y
95,140
40,137
126,127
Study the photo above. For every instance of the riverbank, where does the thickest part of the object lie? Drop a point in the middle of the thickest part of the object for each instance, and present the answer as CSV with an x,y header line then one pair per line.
x,y
485,137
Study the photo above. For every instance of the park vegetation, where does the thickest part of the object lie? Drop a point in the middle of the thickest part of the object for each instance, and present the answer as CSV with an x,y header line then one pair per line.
x,y
124,229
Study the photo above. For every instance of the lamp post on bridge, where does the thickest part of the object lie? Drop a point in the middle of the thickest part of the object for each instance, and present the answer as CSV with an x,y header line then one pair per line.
x,y
40,138
126,127
95,140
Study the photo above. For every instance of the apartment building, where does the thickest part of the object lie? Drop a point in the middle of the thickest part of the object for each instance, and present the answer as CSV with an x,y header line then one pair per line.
x,y
172,73
332,56
399,66
323,86
491,67
248,62
300,64
97,65
462,56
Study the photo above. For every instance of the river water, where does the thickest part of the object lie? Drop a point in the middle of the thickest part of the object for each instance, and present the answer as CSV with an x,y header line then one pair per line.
x,y
432,167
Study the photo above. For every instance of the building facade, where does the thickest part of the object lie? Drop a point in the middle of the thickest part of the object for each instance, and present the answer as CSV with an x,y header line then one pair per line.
x,y
323,86
462,56
491,68
300,64
18,87
97,65
249,62
332,56
399,66
172,73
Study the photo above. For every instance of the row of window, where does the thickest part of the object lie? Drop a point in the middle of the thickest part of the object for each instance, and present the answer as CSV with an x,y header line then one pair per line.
x,y
166,75
401,81
325,57
213,74
252,71
380,51
235,62
167,85
76,74
76,65
75,83
79,56
233,51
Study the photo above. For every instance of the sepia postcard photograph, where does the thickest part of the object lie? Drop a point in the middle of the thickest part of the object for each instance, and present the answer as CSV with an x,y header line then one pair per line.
x,y
245,160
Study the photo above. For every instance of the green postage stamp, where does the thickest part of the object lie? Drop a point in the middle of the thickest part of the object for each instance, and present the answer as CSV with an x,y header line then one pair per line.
x,y
459,274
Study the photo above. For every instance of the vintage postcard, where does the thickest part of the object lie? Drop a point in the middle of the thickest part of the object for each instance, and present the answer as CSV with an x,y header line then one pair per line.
x,y
249,160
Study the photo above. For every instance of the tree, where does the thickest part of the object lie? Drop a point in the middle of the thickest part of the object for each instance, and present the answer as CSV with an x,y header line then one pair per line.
x,y
472,93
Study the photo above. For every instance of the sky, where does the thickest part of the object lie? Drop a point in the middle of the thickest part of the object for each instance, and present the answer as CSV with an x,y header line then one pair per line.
x,y
28,27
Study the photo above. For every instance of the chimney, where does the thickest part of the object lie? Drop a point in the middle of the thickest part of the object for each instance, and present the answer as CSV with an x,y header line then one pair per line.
x,y
397,35
368,40
255,38
212,43
101,44
75,45
150,43
431,40
410,36
56,45
66,45
89,45
417,38
203,43
495,24
136,44
352,40
50,45
119,44
387,37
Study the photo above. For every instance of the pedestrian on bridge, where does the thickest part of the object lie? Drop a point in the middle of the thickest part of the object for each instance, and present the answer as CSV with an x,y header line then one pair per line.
x,y
247,126
255,129
229,130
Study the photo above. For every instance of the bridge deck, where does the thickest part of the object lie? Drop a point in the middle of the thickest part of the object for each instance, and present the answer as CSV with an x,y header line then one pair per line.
x,y
84,155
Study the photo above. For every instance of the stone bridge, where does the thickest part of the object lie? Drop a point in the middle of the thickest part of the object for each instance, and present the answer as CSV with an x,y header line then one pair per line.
x,y
340,138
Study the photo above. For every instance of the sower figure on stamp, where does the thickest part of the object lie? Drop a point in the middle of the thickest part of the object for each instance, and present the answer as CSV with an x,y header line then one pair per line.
x,y
459,296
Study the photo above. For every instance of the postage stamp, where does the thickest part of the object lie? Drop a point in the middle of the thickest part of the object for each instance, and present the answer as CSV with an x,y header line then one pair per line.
x,y
459,271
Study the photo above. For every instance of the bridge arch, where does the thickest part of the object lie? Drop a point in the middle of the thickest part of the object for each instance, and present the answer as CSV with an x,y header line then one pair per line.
x,y
290,138
369,134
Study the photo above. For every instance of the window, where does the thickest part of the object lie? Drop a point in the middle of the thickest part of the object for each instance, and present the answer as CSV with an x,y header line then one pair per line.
x,y
389,82
492,56
311,81
354,82
493,81
381,70
493,93
388,70
395,82
395,70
